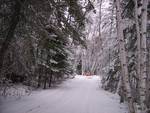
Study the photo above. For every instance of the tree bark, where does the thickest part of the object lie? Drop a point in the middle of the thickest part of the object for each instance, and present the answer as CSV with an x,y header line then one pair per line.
x,y
50,79
39,77
100,18
144,56
14,21
123,58
138,40
45,79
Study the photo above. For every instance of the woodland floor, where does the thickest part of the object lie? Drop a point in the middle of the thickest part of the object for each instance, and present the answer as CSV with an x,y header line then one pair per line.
x,y
79,95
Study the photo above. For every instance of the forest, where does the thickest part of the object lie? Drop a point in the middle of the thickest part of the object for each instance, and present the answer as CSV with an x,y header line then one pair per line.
x,y
45,42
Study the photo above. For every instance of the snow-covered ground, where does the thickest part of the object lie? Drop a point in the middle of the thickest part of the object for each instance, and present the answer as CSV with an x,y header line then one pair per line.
x,y
79,95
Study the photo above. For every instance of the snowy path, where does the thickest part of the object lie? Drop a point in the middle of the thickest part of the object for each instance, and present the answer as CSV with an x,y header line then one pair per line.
x,y
79,95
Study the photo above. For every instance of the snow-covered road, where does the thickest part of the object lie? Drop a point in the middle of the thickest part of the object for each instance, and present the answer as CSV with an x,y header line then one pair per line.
x,y
78,95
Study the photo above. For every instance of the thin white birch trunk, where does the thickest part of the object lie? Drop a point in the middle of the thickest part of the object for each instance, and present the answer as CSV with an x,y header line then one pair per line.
x,y
144,55
123,58
100,16
138,40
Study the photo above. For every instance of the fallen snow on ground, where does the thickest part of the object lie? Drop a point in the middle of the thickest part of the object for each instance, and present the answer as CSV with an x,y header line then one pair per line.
x,y
79,95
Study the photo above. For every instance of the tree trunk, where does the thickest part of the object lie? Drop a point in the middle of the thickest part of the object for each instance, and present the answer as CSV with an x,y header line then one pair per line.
x,y
138,41
120,90
50,80
39,81
39,77
144,56
100,18
123,58
10,34
148,75
45,79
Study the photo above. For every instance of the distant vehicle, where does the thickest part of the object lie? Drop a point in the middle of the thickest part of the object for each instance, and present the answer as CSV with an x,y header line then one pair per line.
x,y
87,74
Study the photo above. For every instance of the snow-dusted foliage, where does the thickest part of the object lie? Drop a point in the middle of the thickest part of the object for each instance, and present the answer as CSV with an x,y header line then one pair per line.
x,y
102,47
128,79
114,48
36,39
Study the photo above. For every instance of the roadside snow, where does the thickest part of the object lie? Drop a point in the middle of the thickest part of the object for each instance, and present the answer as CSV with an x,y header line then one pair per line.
x,y
14,90
79,95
